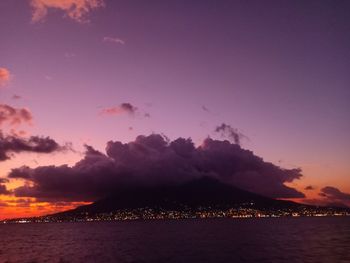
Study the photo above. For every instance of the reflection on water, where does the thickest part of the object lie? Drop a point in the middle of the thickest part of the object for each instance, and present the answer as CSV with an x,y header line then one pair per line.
x,y
214,240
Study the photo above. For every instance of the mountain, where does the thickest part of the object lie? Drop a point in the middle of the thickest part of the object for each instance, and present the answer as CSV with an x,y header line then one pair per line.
x,y
204,193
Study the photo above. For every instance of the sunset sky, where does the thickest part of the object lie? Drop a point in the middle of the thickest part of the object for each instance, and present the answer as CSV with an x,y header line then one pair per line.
x,y
85,72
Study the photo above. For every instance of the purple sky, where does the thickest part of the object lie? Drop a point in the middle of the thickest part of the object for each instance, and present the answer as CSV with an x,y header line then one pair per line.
x,y
278,71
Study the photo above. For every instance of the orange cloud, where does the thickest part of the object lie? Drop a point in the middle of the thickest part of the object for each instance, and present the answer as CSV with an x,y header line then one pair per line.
x,y
4,76
77,10
14,116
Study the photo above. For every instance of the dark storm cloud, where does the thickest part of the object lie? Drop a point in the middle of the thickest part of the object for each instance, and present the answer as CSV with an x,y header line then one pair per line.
x,y
334,194
154,160
13,144
229,132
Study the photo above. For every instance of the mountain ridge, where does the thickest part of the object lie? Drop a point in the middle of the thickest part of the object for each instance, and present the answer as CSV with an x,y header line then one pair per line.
x,y
202,192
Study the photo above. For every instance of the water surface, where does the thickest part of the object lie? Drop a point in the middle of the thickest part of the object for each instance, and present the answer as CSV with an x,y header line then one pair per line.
x,y
210,240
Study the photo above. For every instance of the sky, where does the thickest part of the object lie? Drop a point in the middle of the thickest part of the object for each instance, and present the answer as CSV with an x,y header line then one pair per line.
x,y
271,76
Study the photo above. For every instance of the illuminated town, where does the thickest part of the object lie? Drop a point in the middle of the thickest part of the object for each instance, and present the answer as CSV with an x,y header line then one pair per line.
x,y
146,213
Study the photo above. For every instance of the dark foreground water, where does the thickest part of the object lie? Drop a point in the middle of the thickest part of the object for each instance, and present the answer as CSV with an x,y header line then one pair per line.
x,y
215,240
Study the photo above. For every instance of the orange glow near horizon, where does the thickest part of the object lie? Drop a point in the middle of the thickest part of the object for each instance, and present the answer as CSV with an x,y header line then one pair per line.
x,y
14,207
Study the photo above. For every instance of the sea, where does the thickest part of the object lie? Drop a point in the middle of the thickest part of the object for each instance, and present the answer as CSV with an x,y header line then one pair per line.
x,y
325,239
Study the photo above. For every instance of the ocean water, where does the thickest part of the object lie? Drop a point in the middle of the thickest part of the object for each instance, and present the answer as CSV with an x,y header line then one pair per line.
x,y
209,240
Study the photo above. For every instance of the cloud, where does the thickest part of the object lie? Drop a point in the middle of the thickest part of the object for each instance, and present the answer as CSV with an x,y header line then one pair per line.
x,y
23,202
69,55
5,76
14,116
13,144
114,40
3,204
309,188
227,131
3,180
121,109
154,160
334,195
125,108
77,10
3,189
16,97
204,108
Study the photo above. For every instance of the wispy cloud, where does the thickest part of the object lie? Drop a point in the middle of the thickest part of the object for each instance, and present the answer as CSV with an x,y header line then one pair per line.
x,y
13,144
16,97
114,40
5,76
231,133
69,55
77,10
123,108
335,196
309,188
204,108
14,116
